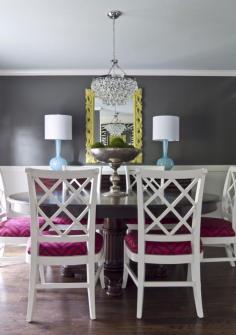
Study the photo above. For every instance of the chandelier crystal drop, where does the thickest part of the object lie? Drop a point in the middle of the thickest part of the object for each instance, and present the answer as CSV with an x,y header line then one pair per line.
x,y
116,87
115,127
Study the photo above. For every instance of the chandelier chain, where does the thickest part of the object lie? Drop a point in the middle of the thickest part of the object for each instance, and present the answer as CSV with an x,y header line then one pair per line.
x,y
114,40
115,87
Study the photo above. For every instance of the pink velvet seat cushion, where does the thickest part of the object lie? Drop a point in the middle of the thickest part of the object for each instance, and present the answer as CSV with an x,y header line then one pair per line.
x,y
67,248
158,248
17,227
65,220
216,227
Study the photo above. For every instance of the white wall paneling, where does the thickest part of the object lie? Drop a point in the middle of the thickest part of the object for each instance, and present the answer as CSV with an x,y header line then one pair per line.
x,y
16,181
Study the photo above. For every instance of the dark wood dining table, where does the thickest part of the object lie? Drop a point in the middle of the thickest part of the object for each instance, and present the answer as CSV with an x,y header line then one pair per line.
x,y
115,212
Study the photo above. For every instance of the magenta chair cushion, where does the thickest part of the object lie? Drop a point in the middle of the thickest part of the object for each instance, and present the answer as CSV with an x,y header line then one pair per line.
x,y
216,227
135,221
65,220
68,248
149,221
17,227
158,248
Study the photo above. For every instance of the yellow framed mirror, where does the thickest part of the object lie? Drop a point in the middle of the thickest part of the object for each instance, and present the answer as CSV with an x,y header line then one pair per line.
x,y
99,115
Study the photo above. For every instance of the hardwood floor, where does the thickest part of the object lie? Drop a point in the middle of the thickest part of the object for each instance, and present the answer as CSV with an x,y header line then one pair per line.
x,y
166,310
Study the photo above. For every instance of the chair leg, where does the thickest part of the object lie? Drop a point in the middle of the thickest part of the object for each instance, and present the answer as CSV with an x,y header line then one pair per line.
x,y
189,273
141,279
34,275
196,278
125,272
91,290
2,249
101,277
42,274
229,253
234,246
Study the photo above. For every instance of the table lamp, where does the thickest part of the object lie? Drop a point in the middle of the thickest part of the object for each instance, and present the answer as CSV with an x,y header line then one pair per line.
x,y
165,129
58,127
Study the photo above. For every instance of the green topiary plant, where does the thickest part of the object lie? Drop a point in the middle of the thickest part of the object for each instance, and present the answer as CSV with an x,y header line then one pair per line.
x,y
98,145
117,142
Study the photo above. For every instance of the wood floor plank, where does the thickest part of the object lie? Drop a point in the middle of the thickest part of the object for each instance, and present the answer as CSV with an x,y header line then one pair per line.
x,y
167,311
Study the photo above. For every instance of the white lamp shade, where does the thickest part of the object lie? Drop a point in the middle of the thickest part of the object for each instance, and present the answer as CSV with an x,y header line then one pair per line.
x,y
165,127
58,127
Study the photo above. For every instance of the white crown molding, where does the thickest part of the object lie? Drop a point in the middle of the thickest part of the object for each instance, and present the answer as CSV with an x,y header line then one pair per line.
x,y
134,72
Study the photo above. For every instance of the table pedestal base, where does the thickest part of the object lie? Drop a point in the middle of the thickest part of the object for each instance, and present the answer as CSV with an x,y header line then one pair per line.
x,y
113,234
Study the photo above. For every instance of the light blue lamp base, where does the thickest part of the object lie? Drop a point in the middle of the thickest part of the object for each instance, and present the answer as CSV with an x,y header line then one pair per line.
x,y
165,160
57,163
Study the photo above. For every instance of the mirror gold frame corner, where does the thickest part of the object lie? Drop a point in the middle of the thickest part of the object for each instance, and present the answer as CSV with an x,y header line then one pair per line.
x,y
138,124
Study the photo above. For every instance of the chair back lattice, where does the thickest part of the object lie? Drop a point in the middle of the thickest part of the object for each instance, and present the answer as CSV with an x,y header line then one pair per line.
x,y
73,168
71,194
3,202
229,192
180,207
130,176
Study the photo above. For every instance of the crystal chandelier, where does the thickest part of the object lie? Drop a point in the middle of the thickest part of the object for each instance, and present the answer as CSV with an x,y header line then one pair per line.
x,y
115,127
116,87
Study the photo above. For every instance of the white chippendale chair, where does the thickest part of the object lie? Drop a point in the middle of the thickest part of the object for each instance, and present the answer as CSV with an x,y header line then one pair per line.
x,y
221,232
63,221
157,244
131,185
13,230
77,244
130,175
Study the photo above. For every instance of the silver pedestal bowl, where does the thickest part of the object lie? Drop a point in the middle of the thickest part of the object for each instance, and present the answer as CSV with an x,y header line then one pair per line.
x,y
115,157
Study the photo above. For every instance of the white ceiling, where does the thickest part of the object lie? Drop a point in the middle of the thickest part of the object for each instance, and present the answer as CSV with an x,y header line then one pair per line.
x,y
151,35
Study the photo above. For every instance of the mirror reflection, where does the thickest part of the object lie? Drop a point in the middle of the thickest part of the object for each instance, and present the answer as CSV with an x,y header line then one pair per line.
x,y
104,122
113,121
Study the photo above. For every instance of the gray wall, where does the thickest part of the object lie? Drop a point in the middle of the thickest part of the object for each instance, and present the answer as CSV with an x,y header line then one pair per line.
x,y
206,106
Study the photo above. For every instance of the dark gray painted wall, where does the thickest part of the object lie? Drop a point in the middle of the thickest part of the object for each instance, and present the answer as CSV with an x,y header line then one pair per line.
x,y
206,106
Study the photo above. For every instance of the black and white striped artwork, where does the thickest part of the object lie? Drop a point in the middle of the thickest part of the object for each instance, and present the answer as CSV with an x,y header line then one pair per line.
x,y
127,135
